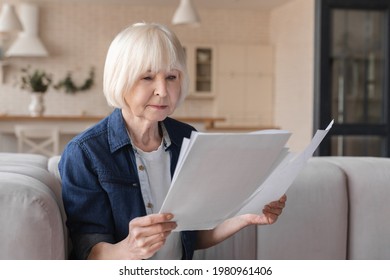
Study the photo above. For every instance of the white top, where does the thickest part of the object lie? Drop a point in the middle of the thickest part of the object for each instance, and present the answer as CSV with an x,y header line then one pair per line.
x,y
155,179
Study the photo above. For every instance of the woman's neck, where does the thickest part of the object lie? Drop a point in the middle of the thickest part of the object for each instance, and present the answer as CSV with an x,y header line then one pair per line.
x,y
144,134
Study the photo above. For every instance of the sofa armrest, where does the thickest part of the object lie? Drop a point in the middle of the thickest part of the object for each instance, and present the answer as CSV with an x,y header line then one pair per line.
x,y
32,226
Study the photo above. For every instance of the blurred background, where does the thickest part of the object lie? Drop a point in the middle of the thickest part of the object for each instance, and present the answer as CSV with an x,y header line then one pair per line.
x,y
254,64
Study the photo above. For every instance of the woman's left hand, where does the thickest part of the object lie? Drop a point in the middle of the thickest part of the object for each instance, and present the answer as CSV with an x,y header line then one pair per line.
x,y
271,213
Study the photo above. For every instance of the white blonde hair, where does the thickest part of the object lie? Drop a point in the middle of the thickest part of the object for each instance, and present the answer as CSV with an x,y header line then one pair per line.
x,y
137,49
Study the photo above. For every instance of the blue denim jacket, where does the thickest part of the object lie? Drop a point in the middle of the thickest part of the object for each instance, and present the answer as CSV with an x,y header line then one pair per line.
x,y
100,185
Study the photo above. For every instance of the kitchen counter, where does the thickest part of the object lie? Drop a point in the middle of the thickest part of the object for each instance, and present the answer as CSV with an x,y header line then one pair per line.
x,y
7,121
69,126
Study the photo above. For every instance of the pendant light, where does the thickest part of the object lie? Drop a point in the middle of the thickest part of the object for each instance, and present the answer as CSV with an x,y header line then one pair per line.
x,y
186,14
9,21
28,43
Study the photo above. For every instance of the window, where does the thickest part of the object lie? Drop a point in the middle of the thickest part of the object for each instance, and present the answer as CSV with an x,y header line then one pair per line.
x,y
352,85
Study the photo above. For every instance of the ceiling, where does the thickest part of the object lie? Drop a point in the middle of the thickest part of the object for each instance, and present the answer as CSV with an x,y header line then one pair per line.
x,y
214,4
231,4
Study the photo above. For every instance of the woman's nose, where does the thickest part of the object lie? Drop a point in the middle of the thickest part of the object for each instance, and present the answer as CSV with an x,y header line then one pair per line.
x,y
160,87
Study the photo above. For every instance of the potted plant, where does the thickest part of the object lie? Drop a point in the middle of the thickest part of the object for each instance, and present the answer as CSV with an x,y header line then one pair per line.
x,y
37,82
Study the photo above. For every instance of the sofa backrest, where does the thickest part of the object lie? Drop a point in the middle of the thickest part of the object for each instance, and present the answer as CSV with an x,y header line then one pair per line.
x,y
314,223
368,185
337,208
24,159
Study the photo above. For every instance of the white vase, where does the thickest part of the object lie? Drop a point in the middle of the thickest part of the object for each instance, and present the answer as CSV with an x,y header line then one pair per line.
x,y
37,106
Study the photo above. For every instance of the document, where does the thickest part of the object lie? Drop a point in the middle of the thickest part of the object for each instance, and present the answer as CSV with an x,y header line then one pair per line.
x,y
221,175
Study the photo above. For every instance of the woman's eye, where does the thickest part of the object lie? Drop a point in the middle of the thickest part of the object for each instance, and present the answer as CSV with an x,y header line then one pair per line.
x,y
171,77
148,78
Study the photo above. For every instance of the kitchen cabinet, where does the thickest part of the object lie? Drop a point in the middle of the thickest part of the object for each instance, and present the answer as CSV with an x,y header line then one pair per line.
x,y
201,67
245,84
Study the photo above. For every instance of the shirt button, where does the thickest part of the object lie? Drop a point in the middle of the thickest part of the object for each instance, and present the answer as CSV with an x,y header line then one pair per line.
x,y
141,168
150,205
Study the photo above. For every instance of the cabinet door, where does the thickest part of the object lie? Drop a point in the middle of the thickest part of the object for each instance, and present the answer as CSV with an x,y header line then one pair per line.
x,y
201,64
245,79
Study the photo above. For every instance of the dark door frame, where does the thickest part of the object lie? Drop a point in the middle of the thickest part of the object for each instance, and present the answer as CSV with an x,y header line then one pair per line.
x,y
322,95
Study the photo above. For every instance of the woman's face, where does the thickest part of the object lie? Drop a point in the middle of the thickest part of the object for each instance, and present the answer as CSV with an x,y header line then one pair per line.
x,y
154,96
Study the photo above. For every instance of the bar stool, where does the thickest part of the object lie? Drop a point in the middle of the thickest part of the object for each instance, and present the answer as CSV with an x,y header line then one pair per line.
x,y
44,140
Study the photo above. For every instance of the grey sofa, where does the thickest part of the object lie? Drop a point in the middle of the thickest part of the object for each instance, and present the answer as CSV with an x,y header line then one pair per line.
x,y
337,208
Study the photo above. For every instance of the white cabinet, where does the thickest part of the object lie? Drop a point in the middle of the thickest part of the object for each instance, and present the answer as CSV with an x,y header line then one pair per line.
x,y
245,84
201,61
233,81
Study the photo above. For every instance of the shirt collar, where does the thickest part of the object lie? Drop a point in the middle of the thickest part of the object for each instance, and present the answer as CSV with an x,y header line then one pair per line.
x,y
165,135
118,136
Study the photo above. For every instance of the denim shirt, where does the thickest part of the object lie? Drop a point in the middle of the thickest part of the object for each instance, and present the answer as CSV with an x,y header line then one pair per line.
x,y
100,185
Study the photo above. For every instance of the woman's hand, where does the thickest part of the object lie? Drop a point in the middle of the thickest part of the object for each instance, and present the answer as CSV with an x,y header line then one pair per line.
x,y
146,236
271,213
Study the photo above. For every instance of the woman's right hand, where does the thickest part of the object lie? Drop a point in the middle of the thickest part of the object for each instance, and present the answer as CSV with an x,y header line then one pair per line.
x,y
146,236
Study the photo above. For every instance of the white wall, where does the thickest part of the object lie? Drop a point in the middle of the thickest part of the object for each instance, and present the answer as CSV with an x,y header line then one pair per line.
x,y
292,34
77,35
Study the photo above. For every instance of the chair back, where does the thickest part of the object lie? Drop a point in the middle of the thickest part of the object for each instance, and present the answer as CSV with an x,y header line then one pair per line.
x,y
34,139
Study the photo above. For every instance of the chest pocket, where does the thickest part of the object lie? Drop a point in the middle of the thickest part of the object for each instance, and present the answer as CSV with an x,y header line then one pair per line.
x,y
119,188
125,196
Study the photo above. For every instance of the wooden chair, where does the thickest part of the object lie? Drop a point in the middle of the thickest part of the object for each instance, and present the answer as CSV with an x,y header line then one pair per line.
x,y
44,140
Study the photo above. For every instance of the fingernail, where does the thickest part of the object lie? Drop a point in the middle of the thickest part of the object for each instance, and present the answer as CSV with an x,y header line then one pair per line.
x,y
169,216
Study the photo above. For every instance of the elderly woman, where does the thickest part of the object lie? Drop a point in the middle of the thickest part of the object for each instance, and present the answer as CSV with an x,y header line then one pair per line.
x,y
116,174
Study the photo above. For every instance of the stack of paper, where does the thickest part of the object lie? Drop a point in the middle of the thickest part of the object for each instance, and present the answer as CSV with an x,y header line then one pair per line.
x,y
220,175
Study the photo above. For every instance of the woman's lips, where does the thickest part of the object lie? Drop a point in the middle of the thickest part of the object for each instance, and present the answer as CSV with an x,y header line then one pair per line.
x,y
159,107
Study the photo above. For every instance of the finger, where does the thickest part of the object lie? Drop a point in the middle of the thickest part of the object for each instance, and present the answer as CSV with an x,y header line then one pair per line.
x,y
155,247
148,251
273,210
161,228
151,225
151,219
277,204
150,241
270,217
139,232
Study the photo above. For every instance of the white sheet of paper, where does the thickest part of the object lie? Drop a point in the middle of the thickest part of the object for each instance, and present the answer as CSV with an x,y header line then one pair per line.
x,y
220,175
216,173
282,177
